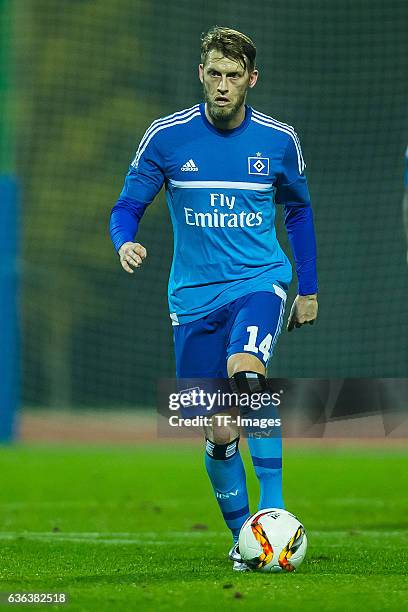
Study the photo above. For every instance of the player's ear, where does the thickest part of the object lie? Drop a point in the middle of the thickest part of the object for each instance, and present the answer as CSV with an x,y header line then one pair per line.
x,y
253,77
201,72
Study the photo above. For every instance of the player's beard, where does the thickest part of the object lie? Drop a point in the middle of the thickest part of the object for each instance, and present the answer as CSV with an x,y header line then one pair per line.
x,y
223,113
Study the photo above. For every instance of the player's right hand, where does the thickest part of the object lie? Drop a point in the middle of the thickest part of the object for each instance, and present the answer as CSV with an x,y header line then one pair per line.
x,y
131,255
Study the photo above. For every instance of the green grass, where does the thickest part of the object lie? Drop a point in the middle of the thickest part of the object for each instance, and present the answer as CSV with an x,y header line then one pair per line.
x,y
119,529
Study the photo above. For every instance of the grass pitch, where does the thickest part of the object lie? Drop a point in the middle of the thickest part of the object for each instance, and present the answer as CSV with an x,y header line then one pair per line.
x,y
138,529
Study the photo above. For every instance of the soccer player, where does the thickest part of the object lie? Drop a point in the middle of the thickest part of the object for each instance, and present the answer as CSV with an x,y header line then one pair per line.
x,y
225,167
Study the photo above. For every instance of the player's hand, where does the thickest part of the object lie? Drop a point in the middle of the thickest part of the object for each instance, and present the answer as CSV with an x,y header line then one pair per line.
x,y
304,310
131,255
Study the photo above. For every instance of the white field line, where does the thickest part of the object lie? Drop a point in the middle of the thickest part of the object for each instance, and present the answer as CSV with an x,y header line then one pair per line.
x,y
79,504
108,537
366,532
49,538
163,538
114,534
357,501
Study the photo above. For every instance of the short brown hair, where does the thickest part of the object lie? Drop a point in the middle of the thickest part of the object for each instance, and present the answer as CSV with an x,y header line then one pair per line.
x,y
231,44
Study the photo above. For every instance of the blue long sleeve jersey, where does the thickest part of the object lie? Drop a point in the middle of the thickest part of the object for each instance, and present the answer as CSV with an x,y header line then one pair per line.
x,y
221,190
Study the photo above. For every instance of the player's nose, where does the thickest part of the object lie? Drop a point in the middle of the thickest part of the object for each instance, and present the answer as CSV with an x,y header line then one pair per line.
x,y
223,85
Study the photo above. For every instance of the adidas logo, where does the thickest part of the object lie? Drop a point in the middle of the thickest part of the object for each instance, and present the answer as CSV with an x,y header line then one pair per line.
x,y
189,166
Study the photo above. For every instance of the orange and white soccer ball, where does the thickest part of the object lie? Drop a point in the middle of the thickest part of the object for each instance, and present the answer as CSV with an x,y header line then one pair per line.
x,y
273,540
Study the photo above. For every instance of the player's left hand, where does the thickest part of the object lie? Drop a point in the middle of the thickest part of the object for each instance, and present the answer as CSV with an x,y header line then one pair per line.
x,y
304,310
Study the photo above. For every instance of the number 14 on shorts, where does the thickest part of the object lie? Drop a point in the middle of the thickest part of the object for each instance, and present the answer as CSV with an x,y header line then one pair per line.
x,y
263,347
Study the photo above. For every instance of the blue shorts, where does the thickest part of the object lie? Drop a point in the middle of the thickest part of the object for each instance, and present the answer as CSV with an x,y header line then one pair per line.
x,y
250,324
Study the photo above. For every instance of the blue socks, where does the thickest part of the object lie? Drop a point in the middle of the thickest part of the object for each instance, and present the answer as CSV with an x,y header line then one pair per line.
x,y
227,474
266,456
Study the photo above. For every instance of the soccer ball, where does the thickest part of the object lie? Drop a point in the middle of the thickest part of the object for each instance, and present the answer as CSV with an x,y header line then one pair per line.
x,y
272,540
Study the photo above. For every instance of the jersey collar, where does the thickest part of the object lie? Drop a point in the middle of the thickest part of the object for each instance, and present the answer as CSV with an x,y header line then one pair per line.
x,y
227,133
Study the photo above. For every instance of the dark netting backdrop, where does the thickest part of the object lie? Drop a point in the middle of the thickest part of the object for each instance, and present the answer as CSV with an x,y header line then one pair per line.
x,y
92,75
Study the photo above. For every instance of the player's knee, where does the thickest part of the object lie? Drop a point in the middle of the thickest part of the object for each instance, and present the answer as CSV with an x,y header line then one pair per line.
x,y
222,434
223,431
247,382
249,387
244,362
